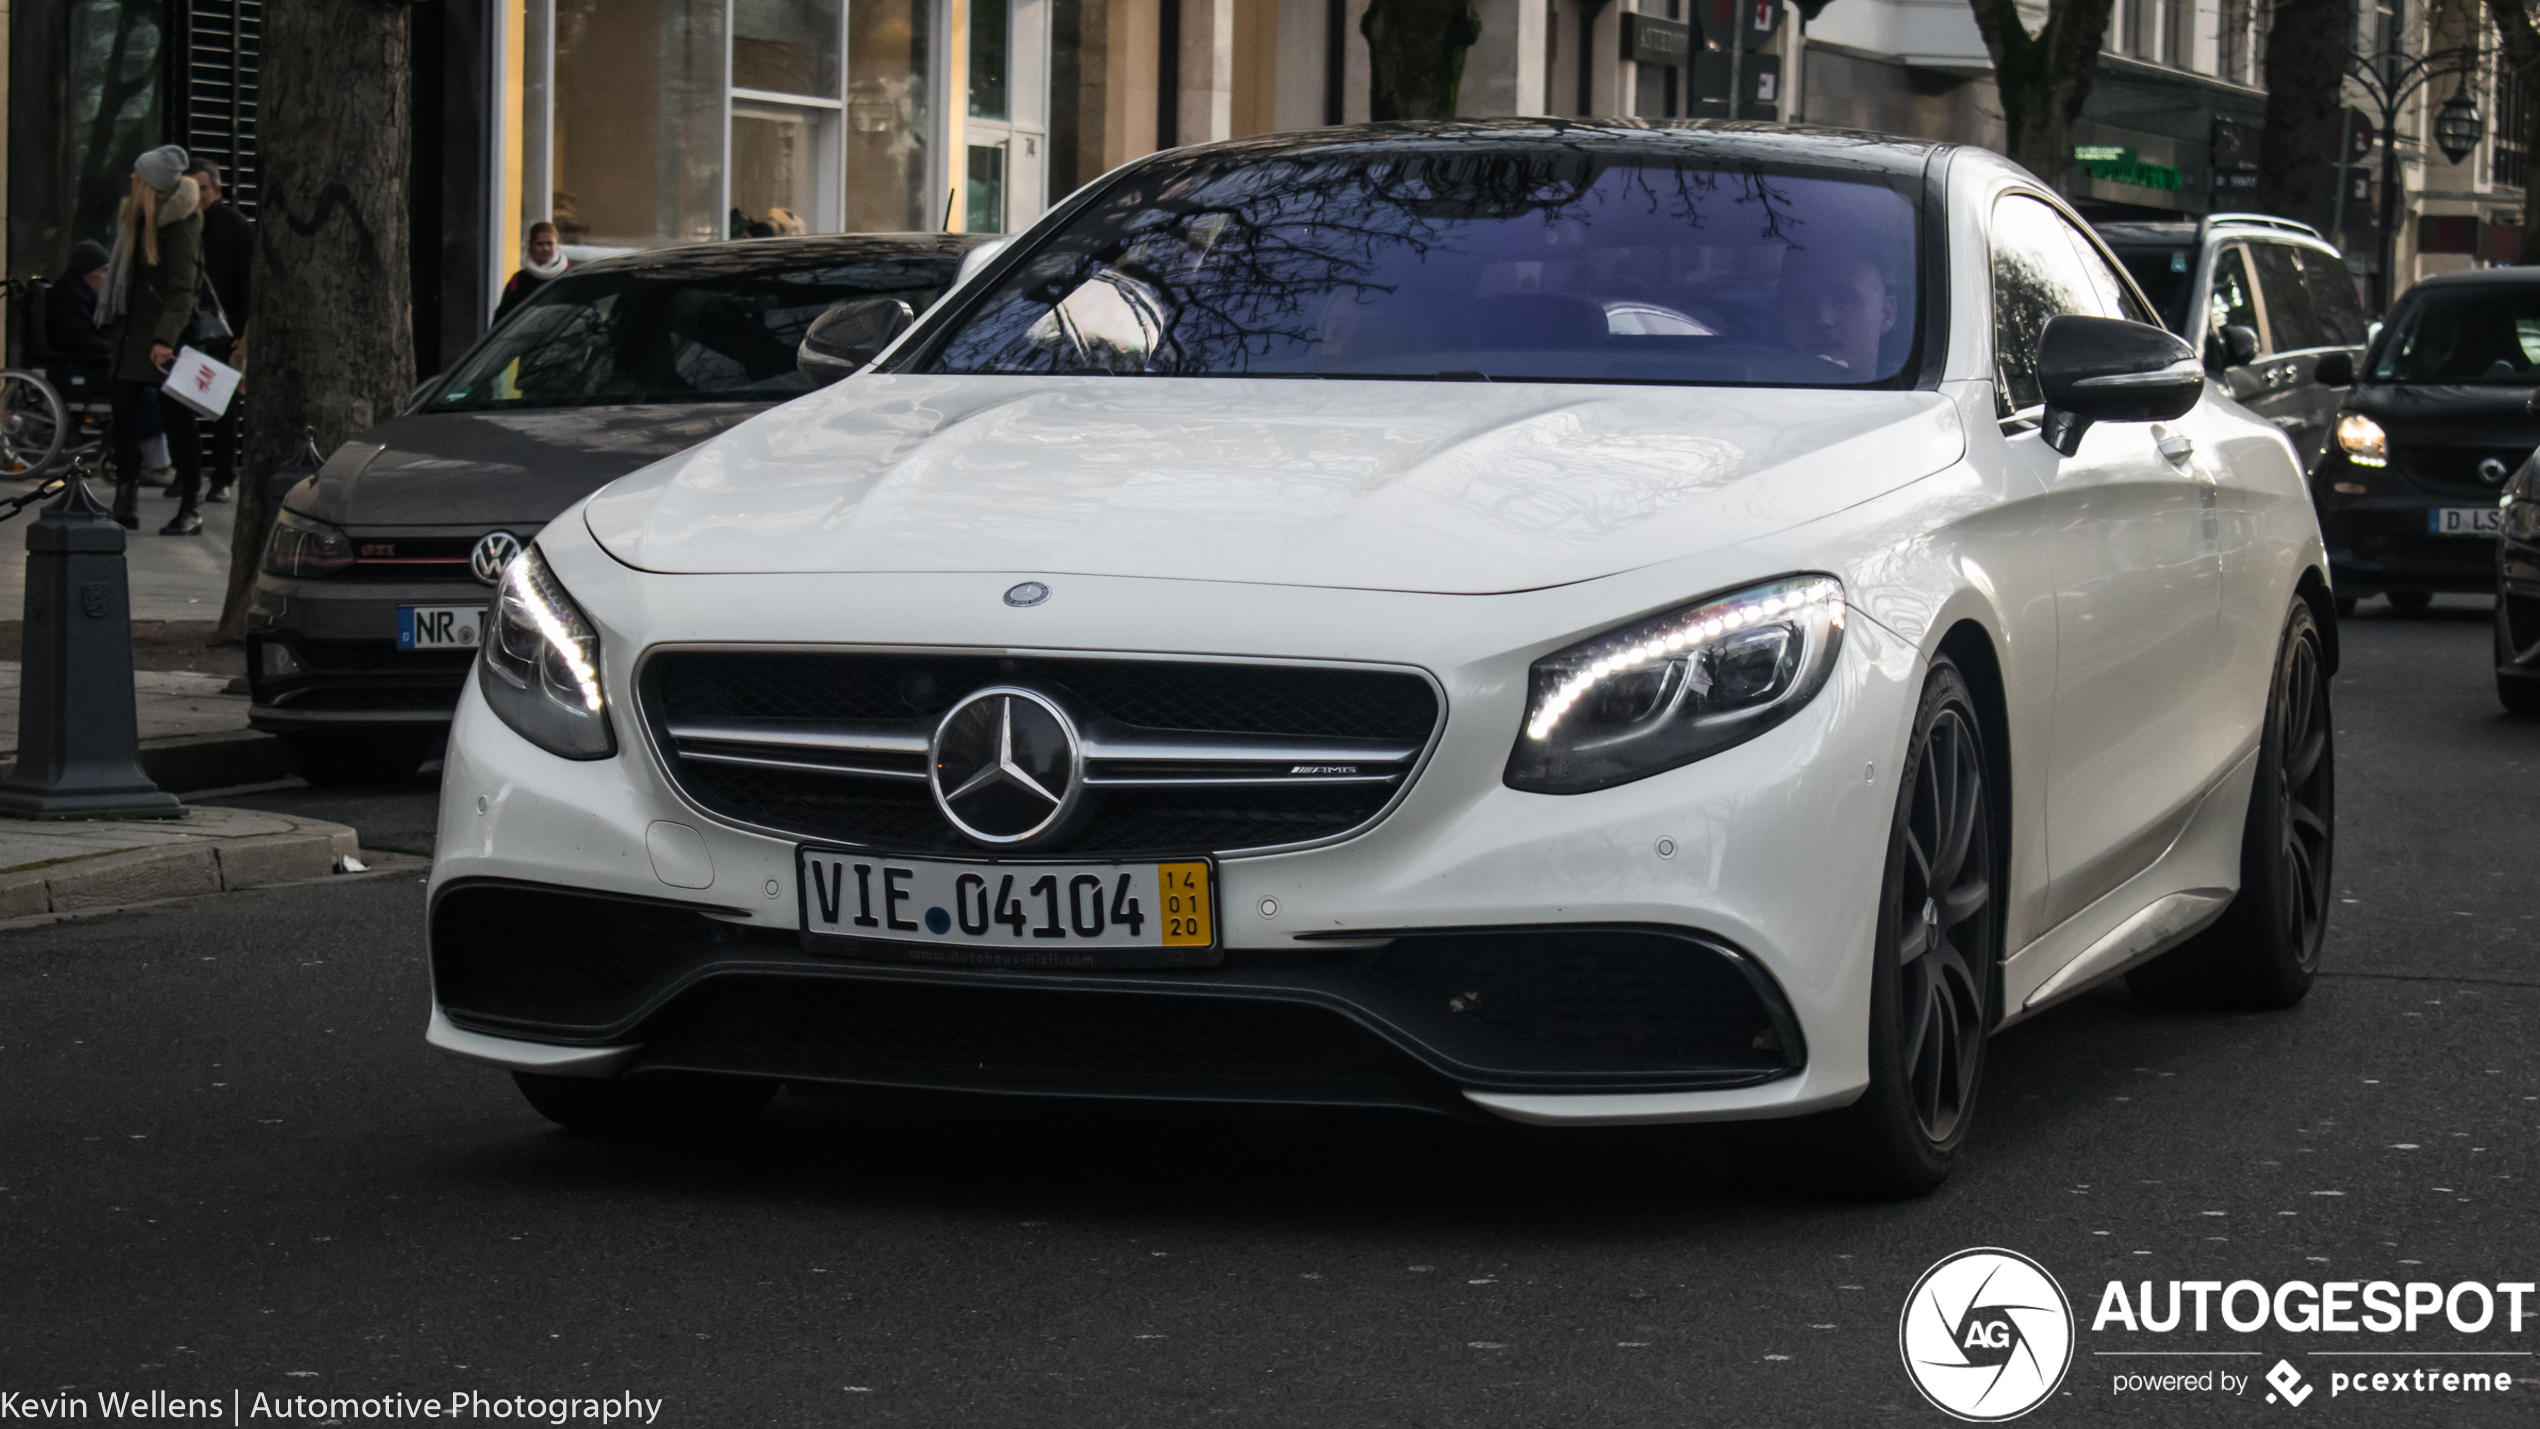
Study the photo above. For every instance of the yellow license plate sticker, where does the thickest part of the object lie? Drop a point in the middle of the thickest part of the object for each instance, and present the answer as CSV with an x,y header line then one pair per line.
x,y
1186,897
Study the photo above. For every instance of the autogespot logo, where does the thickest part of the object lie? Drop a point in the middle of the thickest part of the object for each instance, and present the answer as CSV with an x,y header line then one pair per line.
x,y
1986,1335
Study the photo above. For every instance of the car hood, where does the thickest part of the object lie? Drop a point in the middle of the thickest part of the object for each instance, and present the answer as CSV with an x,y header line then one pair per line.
x,y
1447,487
499,468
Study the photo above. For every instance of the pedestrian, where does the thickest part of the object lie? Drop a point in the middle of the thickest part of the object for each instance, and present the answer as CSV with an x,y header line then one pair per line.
x,y
71,336
541,261
229,250
154,280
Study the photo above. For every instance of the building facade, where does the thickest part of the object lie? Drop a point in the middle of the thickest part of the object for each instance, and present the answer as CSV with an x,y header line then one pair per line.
x,y
639,123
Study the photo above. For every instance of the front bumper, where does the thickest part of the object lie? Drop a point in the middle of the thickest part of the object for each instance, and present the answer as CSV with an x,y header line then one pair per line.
x,y
2379,541
322,654
1742,886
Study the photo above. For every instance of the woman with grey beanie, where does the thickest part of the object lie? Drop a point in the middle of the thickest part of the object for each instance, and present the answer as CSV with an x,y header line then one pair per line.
x,y
154,281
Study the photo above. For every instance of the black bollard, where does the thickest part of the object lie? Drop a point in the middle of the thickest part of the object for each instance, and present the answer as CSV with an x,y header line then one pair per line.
x,y
78,738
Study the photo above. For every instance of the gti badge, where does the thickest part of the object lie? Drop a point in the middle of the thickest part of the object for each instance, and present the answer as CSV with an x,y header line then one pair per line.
x,y
1006,766
493,555
1028,593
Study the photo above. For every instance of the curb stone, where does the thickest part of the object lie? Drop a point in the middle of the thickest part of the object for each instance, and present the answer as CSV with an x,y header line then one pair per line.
x,y
310,849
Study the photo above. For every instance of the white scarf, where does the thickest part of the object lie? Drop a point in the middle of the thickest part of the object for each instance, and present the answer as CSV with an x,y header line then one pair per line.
x,y
543,271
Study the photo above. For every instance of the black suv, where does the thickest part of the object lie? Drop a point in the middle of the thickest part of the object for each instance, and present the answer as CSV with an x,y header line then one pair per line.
x,y
2270,303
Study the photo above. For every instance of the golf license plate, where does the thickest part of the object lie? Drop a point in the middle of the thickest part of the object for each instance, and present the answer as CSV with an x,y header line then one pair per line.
x,y
2465,521
1001,913
440,627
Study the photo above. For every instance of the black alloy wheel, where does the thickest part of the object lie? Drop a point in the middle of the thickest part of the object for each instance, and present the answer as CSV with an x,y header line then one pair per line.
x,y
2517,669
2264,951
1936,975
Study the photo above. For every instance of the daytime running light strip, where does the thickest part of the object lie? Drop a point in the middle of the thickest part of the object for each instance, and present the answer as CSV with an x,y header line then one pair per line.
x,y
1698,627
557,636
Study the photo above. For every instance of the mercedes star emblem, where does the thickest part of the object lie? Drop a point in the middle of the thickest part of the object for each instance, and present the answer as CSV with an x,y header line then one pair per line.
x,y
1028,593
493,555
1006,766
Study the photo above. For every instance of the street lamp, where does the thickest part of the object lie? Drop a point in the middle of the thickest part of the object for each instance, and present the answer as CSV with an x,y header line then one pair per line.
x,y
2457,127
2390,85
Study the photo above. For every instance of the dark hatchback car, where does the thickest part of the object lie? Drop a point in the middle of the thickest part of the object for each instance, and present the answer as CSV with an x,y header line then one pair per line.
x,y
2439,420
372,596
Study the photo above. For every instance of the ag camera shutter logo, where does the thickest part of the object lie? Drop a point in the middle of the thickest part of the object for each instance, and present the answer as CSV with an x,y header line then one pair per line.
x,y
1987,1335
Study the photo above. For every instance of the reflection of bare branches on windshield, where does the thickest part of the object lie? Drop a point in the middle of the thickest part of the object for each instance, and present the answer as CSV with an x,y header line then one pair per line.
x,y
1237,262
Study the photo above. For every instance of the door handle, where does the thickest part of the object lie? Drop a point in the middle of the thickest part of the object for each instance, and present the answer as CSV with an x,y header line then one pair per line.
x,y
2178,448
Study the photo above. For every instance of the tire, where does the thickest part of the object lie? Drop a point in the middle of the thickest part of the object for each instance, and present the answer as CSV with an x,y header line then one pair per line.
x,y
2518,693
1936,969
664,1104
336,759
2264,951
2410,600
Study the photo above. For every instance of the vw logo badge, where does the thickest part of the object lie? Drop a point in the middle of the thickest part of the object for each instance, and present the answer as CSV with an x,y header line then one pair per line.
x,y
2493,471
493,555
1006,766
1028,593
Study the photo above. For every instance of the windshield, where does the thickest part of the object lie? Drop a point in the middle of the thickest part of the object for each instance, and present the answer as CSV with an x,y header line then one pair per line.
x,y
2474,334
639,336
2164,275
1507,264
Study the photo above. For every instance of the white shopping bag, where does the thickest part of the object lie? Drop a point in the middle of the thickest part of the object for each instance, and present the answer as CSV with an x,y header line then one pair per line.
x,y
204,384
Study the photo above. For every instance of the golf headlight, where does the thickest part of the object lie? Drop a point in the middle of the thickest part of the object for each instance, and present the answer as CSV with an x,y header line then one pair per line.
x,y
1673,688
299,546
542,665
2362,439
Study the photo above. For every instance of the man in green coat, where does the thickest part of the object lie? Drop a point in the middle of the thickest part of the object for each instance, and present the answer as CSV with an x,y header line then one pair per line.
x,y
154,282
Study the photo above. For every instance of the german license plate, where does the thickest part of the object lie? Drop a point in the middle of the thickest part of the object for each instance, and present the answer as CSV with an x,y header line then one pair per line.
x,y
440,627
2465,521
1007,914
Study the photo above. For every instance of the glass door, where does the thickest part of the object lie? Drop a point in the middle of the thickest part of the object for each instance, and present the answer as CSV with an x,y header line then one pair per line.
x,y
1005,137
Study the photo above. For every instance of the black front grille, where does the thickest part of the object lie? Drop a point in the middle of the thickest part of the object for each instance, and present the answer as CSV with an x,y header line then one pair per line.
x,y
2456,468
1154,697
378,657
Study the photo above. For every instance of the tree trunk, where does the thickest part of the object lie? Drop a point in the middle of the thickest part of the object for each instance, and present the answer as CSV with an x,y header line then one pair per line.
x,y
331,341
1415,56
2306,69
2044,78
2520,37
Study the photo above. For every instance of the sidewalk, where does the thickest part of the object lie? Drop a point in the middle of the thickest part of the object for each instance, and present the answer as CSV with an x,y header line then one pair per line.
x,y
106,863
173,577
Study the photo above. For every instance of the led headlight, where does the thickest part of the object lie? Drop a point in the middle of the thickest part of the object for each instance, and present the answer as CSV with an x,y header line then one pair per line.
x,y
1675,687
299,546
542,665
2362,439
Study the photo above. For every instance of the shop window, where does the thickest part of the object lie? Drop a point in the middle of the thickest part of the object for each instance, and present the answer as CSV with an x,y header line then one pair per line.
x,y
638,123
887,117
785,46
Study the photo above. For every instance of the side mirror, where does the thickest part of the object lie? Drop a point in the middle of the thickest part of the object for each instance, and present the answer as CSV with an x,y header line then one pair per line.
x,y
848,336
2335,370
977,258
2110,370
2234,346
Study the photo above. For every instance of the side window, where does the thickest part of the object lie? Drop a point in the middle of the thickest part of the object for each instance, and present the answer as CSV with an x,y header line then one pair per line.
x,y
2333,300
2234,301
2037,275
2114,300
2291,324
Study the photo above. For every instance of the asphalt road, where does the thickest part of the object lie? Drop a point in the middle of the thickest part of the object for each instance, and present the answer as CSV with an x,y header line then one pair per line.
x,y
227,1161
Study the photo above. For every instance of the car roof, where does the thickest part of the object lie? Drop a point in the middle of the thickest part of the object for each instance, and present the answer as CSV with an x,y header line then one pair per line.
x,y
1721,138
2518,276
2188,233
751,255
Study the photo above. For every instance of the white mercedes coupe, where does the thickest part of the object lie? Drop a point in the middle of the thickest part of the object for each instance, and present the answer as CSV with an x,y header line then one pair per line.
x,y
1580,623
